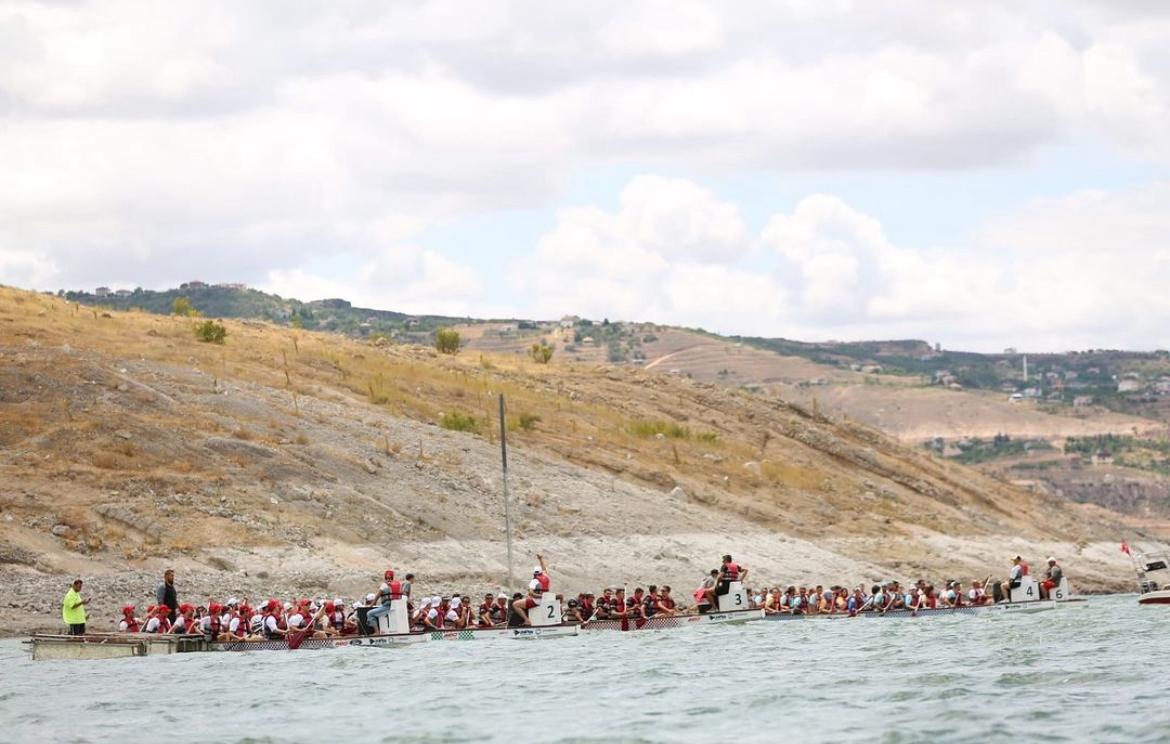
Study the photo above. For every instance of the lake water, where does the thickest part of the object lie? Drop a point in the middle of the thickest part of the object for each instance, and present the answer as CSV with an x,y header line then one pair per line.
x,y
1095,673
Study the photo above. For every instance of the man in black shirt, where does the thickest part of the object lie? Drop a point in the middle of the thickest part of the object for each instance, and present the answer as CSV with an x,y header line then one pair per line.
x,y
166,595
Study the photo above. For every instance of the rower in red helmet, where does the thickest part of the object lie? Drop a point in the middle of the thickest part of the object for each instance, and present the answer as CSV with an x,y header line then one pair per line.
x,y
129,623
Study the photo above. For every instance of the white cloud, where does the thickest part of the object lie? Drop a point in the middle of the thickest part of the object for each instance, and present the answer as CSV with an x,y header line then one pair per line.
x,y
1055,274
404,278
25,268
288,144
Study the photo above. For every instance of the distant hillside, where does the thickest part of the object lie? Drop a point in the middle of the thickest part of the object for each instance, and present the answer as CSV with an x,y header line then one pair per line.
x,y
234,301
981,409
1136,383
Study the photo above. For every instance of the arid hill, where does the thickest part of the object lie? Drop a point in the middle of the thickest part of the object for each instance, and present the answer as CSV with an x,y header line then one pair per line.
x,y
285,460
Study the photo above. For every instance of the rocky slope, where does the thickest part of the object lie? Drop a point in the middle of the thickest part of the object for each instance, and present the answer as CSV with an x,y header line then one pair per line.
x,y
286,460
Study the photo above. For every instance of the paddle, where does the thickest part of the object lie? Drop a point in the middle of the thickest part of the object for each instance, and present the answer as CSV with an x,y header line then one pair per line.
x,y
860,609
295,639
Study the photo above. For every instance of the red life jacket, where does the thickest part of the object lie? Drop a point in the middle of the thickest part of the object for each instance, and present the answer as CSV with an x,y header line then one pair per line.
x,y
395,590
131,624
213,625
545,582
1023,569
731,572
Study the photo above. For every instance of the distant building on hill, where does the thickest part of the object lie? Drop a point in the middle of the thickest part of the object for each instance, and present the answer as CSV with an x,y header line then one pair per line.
x,y
231,285
102,292
1130,385
124,292
193,285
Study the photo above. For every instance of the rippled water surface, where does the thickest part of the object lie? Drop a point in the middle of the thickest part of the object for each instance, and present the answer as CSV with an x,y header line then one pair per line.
x,y
1096,673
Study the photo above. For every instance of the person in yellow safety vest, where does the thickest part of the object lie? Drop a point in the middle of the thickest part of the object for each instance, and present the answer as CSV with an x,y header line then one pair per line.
x,y
73,609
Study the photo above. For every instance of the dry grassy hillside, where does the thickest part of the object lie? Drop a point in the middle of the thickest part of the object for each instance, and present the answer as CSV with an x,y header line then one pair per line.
x,y
291,459
898,406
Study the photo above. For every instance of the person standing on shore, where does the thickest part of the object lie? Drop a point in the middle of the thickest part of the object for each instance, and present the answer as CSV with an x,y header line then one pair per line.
x,y
73,609
165,594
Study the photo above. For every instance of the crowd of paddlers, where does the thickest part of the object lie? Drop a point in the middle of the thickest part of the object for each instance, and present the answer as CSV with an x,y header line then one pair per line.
x,y
240,620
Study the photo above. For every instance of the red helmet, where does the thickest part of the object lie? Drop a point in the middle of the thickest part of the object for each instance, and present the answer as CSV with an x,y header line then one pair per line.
x,y
389,574
163,609
150,609
215,608
273,605
186,608
128,609
330,607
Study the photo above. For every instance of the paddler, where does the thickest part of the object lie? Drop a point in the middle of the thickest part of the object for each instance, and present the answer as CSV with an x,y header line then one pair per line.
x,y
977,595
704,595
73,609
521,605
499,613
129,623
665,605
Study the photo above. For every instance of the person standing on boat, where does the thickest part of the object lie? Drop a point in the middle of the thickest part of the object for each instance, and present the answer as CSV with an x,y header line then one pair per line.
x,y
165,594
540,576
73,609
1052,578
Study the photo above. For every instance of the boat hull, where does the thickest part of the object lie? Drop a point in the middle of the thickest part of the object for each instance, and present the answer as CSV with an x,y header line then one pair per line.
x,y
109,646
379,641
486,634
1159,597
675,621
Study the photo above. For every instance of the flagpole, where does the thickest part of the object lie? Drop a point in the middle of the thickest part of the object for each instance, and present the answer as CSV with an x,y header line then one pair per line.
x,y
507,502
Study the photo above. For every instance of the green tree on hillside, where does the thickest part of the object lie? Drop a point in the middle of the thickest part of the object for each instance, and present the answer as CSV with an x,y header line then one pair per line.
x,y
183,308
210,332
447,340
541,352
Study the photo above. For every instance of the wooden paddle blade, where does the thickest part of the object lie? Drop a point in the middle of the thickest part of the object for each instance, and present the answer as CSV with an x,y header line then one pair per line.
x,y
296,639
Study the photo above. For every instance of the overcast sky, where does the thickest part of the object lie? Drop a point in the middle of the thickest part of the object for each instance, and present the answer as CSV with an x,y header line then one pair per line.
x,y
979,174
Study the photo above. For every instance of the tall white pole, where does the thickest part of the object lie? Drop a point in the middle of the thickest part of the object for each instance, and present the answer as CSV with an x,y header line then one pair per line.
x,y
507,501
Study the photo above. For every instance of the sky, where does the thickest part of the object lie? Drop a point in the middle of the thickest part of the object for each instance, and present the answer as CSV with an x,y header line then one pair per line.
x,y
977,174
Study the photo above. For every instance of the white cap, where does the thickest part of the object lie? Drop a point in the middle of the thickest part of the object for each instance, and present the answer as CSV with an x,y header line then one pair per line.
x,y
233,601
370,597
456,602
501,595
1051,559
288,605
338,601
535,570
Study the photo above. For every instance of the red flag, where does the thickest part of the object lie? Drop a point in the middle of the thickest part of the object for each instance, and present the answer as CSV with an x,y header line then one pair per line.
x,y
1125,548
